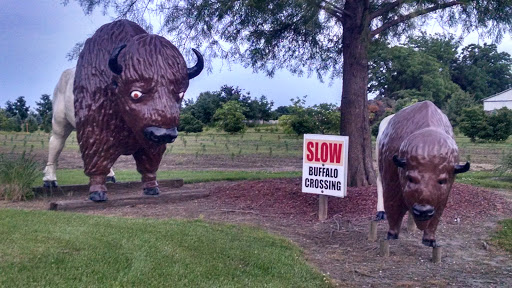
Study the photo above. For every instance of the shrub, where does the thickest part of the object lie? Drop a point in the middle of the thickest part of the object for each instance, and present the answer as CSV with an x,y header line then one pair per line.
x,y
505,164
46,126
472,122
190,124
499,125
17,174
31,124
230,117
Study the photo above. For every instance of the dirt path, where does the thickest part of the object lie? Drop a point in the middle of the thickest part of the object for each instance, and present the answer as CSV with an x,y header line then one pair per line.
x,y
339,246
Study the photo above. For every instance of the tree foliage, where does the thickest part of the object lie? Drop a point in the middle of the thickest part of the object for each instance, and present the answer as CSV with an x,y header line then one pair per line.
x,y
472,122
44,110
31,124
483,71
309,36
323,118
8,123
455,105
403,73
18,108
189,124
230,117
497,126
208,102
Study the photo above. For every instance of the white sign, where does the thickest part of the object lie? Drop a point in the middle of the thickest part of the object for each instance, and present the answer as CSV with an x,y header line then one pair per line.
x,y
324,167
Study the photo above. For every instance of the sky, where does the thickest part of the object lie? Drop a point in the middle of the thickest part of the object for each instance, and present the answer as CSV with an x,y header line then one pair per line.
x,y
36,35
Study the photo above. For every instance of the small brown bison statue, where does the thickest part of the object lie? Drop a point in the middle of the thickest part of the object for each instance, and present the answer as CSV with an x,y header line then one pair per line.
x,y
128,89
418,160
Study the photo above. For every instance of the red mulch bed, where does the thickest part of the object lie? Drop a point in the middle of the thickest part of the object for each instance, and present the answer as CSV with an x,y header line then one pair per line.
x,y
284,197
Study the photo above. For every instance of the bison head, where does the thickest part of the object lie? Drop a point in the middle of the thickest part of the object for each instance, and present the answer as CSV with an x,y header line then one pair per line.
x,y
428,162
149,83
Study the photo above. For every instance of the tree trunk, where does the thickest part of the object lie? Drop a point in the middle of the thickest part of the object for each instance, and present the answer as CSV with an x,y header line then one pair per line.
x,y
354,102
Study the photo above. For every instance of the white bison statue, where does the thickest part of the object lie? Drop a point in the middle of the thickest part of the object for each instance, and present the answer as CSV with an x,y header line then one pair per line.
x,y
63,123
381,215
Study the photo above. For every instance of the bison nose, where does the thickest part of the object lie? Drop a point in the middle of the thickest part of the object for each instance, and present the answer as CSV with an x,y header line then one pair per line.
x,y
160,135
422,212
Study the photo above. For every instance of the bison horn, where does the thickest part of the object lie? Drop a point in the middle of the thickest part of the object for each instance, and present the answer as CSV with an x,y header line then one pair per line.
x,y
114,66
196,70
399,162
461,168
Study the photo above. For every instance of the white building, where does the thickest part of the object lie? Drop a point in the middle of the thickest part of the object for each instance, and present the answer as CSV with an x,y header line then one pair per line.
x,y
497,101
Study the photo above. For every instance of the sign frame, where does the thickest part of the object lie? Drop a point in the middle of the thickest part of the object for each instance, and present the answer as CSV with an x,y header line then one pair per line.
x,y
325,164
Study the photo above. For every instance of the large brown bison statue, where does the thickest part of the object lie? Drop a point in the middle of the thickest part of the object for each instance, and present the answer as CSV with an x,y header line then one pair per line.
x,y
128,89
418,160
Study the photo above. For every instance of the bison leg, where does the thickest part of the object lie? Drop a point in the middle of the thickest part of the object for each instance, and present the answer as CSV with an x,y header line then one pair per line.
x,y
97,188
395,222
429,234
147,164
381,215
60,132
111,177
97,170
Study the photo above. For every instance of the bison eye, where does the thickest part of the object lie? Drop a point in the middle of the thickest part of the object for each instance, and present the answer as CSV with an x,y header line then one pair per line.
x,y
442,181
136,94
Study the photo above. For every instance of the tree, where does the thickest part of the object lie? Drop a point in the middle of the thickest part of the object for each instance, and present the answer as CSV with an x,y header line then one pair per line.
x,y
499,126
323,118
258,109
44,109
204,107
189,123
310,36
9,109
442,47
20,105
31,124
230,117
404,73
300,119
327,118
4,120
281,110
208,102
483,71
454,106
472,122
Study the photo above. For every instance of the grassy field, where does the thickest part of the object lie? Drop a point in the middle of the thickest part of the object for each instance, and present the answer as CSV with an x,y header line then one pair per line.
x,y
211,142
51,249
267,141
71,250
76,176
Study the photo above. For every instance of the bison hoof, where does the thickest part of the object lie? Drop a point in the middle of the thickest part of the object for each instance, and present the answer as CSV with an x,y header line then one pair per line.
x,y
48,184
429,243
392,236
111,179
381,215
98,196
152,191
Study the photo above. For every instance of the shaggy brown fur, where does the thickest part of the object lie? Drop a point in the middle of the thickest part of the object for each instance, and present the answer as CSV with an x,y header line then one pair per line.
x,y
422,137
109,121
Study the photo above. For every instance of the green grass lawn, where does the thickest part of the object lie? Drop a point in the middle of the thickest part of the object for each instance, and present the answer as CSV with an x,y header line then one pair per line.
x,y
54,249
503,237
487,179
77,176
